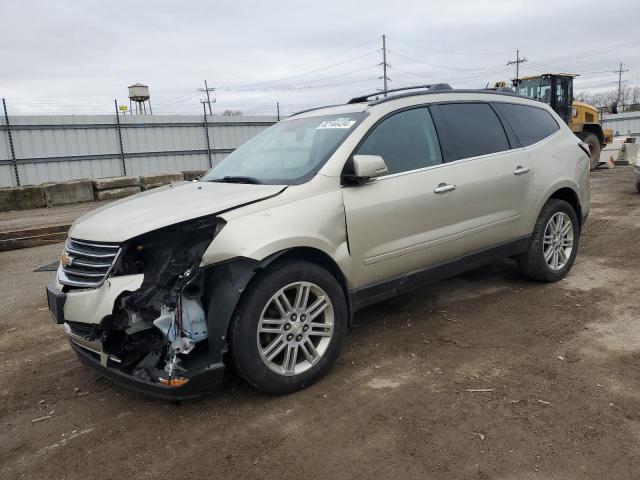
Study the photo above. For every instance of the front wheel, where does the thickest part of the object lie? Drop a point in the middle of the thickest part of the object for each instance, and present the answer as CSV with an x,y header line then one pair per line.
x,y
289,328
554,244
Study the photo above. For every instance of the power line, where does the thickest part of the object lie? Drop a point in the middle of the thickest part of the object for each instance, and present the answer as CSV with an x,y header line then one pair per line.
x,y
301,74
588,53
438,66
305,63
449,52
299,84
464,77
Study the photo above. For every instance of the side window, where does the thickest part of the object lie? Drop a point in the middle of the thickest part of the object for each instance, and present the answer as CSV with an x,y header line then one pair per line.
x,y
406,141
475,129
530,124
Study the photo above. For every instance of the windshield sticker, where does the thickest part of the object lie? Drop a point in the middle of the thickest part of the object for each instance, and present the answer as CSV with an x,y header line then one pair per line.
x,y
342,122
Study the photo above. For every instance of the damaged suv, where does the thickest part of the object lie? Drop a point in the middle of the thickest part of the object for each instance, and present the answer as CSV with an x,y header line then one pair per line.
x,y
261,264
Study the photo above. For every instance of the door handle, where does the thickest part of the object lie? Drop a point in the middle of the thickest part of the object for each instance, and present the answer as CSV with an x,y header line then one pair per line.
x,y
443,187
521,170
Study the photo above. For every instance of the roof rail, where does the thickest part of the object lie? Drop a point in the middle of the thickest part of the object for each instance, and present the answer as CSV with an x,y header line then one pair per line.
x,y
314,108
501,89
431,88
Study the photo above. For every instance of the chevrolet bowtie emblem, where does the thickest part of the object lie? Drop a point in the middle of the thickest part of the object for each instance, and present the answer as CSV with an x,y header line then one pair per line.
x,y
66,260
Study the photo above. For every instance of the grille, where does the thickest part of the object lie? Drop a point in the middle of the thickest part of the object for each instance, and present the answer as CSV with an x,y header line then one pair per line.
x,y
86,264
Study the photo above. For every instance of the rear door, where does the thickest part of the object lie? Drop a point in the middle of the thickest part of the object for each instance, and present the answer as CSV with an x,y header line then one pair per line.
x,y
493,173
533,126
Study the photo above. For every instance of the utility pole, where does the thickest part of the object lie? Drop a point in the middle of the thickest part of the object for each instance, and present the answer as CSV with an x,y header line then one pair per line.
x,y
206,89
13,152
278,109
206,133
620,72
517,63
385,78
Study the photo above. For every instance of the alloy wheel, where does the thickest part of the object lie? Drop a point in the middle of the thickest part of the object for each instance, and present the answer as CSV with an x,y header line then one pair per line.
x,y
558,241
295,328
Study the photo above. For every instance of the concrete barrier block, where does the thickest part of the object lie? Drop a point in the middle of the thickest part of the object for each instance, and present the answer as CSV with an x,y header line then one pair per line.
x,y
114,193
192,174
152,181
73,191
107,183
21,198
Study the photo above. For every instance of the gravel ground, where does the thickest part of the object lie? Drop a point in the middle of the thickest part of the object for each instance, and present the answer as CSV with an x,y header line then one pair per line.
x,y
484,376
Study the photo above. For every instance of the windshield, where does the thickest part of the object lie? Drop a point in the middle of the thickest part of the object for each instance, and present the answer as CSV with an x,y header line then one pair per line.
x,y
536,88
290,152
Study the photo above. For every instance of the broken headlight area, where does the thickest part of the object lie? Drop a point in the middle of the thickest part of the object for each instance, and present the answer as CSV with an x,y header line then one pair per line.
x,y
156,333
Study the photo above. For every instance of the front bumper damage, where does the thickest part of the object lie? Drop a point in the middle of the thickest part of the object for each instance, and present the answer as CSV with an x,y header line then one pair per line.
x,y
207,380
159,325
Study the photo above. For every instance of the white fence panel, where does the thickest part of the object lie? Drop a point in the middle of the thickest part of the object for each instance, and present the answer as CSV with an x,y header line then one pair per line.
x,y
66,147
627,123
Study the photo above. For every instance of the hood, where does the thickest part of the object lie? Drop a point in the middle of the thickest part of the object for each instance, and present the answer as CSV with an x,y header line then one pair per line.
x,y
160,207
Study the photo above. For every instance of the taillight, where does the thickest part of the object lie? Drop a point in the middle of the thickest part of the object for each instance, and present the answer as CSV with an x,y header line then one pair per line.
x,y
585,148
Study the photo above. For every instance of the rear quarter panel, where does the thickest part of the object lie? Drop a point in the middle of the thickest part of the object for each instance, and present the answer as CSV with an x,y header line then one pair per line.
x,y
558,162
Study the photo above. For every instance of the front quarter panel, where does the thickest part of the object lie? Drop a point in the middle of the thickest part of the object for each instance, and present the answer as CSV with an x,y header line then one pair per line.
x,y
316,221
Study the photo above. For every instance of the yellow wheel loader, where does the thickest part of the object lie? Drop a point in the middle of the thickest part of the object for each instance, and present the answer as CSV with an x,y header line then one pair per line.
x,y
556,90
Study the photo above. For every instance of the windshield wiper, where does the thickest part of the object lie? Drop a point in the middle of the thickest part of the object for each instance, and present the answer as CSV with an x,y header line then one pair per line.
x,y
236,179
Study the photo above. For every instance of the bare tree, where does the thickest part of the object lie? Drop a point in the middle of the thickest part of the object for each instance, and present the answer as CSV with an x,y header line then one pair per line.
x,y
231,113
629,99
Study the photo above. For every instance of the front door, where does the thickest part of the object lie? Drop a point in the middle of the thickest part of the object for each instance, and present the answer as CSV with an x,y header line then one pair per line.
x,y
407,219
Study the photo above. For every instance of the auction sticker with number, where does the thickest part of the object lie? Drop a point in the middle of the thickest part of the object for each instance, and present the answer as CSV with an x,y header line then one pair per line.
x,y
342,122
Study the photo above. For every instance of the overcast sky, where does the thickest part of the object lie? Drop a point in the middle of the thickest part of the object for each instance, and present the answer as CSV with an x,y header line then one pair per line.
x,y
77,56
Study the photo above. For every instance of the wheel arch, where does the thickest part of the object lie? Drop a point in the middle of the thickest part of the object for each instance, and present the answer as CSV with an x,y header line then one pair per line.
x,y
227,281
320,258
313,255
570,196
594,128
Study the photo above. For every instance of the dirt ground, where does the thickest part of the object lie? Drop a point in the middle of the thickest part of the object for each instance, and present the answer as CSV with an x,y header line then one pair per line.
x,y
560,365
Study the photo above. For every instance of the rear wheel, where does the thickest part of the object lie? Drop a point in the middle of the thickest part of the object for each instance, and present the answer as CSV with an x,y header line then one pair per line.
x,y
593,141
289,327
554,244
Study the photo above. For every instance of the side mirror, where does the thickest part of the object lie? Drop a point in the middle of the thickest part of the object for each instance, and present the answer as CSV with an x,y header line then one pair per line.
x,y
367,167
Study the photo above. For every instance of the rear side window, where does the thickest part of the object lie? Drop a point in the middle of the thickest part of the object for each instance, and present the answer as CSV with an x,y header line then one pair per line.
x,y
406,141
474,129
530,124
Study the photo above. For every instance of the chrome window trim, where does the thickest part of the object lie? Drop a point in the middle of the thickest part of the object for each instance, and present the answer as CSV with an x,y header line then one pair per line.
x,y
469,159
460,160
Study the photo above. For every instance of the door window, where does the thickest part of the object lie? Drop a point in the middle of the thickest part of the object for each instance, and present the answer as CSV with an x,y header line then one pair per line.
x,y
474,129
406,141
530,124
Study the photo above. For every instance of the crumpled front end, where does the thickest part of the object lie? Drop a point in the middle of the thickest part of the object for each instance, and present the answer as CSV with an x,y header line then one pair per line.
x,y
140,311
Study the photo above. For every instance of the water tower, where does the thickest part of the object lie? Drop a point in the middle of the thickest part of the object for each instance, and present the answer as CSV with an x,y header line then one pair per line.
x,y
139,94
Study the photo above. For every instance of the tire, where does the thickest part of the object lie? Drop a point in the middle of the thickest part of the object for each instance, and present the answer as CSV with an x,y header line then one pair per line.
x,y
263,325
594,147
533,263
638,187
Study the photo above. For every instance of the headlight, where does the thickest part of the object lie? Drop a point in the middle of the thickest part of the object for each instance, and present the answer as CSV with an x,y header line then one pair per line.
x,y
172,249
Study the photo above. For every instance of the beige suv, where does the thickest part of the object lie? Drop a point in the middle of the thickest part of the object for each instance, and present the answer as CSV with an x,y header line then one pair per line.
x,y
263,262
